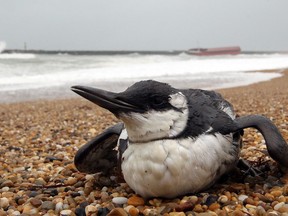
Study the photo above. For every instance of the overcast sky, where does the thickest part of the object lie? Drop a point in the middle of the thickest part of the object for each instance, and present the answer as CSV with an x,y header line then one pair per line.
x,y
144,24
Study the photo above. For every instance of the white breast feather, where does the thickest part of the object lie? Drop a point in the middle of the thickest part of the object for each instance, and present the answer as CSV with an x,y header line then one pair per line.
x,y
168,168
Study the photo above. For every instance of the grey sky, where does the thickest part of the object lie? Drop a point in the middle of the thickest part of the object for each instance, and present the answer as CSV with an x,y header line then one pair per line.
x,y
144,24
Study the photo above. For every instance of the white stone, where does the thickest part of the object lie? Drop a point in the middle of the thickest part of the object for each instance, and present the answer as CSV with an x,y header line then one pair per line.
x,y
242,197
119,200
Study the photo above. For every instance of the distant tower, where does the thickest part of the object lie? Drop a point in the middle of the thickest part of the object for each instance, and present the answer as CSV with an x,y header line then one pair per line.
x,y
25,46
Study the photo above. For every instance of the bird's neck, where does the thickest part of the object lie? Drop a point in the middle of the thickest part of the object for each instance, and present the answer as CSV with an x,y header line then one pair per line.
x,y
154,125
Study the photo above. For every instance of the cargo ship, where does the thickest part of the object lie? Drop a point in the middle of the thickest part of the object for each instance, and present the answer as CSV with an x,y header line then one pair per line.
x,y
215,51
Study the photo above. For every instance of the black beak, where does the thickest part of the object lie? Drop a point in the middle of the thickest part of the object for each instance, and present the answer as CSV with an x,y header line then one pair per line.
x,y
105,99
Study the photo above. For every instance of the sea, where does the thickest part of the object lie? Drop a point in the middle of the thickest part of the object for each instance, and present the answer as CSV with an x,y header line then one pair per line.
x,y
32,76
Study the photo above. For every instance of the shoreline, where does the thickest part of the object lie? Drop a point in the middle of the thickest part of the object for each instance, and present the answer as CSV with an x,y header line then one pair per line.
x,y
38,141
63,92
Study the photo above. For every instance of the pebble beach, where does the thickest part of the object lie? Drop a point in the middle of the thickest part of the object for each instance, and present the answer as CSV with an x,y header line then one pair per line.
x,y
38,141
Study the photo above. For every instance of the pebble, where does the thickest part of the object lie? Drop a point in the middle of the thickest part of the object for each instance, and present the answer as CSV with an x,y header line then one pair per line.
x,y
4,202
90,209
117,212
214,206
70,181
276,193
283,209
5,189
176,214
242,197
223,199
279,205
136,201
29,209
119,200
59,207
47,205
66,212
132,211
36,202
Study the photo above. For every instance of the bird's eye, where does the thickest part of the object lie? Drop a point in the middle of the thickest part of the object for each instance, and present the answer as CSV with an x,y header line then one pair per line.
x,y
158,101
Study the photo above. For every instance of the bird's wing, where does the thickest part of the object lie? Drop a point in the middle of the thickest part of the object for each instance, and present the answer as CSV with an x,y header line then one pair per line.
x,y
209,112
276,144
100,155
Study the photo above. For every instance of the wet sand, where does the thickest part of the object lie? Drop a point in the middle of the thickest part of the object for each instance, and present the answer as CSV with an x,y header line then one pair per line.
x,y
39,140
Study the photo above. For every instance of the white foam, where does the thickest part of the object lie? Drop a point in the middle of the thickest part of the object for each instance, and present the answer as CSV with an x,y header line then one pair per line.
x,y
226,70
17,56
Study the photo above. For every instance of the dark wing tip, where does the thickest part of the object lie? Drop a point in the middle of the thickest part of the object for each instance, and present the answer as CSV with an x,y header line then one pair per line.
x,y
98,155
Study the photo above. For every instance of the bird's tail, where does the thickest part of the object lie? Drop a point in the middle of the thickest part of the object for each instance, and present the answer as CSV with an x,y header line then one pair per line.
x,y
276,145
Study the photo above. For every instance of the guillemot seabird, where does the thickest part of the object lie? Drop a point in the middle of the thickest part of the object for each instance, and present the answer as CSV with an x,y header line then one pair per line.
x,y
172,142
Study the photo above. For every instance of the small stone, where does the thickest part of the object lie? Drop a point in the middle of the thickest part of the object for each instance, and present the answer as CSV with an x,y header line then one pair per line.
x,y
16,213
260,211
7,194
249,206
119,200
5,189
29,209
273,213
283,208
47,205
214,206
198,208
136,201
90,209
223,199
40,182
249,201
54,192
59,207
242,197
66,212
276,193
75,194
33,194
80,212
117,212
133,211
20,200
104,196
4,202
7,183
71,181
36,202
104,189
210,199
278,206
238,212
176,214
102,212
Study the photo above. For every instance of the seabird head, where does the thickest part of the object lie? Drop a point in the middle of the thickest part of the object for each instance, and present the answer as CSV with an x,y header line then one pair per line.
x,y
150,110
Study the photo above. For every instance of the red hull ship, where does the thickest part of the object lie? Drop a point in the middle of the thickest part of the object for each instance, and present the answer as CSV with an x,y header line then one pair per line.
x,y
215,51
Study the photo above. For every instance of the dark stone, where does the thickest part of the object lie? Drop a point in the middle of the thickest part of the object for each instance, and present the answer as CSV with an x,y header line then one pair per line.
x,y
33,194
51,159
210,199
102,211
67,189
51,191
75,194
80,212
84,204
54,192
